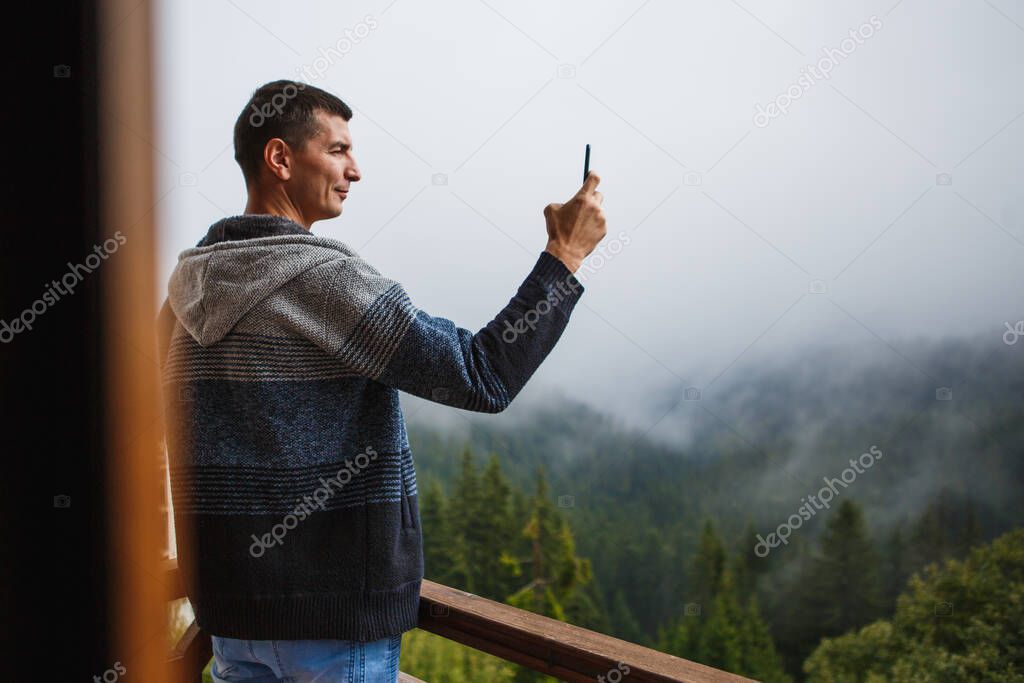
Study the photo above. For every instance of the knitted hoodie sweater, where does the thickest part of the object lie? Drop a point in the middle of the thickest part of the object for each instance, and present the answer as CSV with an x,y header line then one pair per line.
x,y
293,484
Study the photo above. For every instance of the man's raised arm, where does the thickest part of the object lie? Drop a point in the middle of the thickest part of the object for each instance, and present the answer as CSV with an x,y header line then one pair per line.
x,y
404,347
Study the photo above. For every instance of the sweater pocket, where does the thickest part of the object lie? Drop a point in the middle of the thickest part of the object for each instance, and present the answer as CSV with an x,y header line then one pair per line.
x,y
410,512
407,517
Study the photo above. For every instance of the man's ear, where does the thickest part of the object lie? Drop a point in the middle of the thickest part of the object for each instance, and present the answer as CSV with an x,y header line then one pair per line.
x,y
278,157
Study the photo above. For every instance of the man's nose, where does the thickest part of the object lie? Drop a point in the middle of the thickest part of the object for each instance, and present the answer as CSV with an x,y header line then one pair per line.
x,y
353,173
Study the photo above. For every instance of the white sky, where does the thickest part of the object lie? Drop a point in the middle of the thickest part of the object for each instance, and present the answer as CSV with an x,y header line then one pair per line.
x,y
843,188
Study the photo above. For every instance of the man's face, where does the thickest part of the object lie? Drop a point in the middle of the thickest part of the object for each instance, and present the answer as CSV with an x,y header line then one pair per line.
x,y
323,170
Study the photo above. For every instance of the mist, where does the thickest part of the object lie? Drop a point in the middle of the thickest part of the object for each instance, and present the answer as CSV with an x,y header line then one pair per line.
x,y
880,210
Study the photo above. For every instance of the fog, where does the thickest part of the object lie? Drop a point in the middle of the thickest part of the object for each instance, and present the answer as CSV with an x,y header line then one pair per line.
x,y
881,208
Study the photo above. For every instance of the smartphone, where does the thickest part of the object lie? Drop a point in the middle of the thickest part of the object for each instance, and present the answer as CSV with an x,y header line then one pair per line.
x,y
586,164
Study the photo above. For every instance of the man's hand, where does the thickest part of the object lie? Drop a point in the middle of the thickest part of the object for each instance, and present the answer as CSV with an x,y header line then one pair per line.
x,y
576,227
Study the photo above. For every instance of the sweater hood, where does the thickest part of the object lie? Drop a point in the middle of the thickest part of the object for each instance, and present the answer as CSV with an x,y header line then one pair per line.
x,y
241,261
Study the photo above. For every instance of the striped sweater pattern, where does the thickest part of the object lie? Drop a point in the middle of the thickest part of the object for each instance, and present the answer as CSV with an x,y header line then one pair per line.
x,y
293,484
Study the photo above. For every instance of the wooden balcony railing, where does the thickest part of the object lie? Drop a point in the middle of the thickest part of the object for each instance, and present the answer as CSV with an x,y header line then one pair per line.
x,y
545,645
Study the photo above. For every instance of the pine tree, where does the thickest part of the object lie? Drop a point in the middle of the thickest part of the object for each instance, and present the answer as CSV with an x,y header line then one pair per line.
x,y
749,567
718,631
972,535
896,569
686,635
438,538
470,533
554,569
843,589
624,624
585,607
708,566
760,660
496,573
718,642
930,540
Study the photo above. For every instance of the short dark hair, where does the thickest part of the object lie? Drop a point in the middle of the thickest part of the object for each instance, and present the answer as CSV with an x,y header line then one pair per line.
x,y
280,109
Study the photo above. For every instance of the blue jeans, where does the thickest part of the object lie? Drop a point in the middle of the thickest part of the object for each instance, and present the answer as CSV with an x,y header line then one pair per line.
x,y
306,661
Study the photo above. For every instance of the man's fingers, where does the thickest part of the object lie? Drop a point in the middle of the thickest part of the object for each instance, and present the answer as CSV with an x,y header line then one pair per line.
x,y
590,183
599,197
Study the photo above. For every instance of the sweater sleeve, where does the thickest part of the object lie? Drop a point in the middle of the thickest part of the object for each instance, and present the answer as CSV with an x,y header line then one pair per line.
x,y
371,325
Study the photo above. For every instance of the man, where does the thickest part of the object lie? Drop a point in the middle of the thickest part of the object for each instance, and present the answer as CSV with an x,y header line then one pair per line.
x,y
283,353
